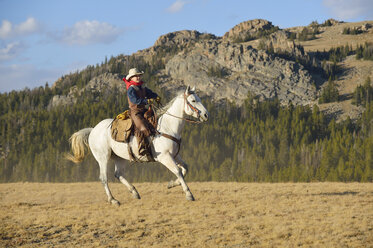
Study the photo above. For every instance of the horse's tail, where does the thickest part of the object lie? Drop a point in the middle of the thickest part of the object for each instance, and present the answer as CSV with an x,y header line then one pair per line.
x,y
79,145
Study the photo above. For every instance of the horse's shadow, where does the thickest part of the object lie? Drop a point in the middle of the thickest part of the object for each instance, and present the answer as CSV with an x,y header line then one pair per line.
x,y
338,193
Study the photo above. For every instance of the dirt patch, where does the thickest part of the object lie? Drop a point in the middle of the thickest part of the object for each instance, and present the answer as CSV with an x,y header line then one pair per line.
x,y
223,215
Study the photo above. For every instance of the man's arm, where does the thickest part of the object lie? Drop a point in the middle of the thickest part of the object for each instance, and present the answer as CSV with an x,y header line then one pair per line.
x,y
131,92
150,94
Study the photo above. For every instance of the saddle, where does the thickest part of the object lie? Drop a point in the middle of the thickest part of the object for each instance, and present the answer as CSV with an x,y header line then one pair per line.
x,y
122,128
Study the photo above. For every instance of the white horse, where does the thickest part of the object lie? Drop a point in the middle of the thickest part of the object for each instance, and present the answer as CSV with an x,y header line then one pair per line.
x,y
164,146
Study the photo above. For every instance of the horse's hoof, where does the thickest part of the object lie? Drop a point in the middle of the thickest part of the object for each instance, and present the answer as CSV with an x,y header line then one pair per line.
x,y
136,196
115,202
190,197
170,185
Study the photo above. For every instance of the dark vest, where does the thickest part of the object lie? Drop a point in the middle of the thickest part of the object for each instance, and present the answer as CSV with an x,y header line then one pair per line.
x,y
140,92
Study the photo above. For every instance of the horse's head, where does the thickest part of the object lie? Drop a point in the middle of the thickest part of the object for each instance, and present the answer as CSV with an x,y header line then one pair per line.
x,y
194,106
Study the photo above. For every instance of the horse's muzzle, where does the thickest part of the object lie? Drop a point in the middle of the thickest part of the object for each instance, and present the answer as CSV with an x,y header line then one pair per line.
x,y
204,117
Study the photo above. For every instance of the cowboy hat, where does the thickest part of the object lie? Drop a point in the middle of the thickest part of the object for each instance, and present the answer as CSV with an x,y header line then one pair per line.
x,y
133,72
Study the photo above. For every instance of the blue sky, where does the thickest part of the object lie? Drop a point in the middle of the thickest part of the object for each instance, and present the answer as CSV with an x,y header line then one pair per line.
x,y
41,40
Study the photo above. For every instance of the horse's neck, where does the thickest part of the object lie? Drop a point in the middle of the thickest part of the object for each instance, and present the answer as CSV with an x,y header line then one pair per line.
x,y
172,122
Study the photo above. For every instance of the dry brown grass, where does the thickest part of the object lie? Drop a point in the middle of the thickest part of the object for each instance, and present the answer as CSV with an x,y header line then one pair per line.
x,y
224,215
333,36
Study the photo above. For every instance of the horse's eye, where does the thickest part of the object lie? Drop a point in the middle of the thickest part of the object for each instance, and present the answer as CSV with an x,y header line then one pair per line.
x,y
193,100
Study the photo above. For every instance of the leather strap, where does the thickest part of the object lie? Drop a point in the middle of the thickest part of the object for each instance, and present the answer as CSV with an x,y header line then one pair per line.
x,y
177,141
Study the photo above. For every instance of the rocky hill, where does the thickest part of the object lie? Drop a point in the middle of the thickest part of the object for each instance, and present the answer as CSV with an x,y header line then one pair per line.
x,y
254,56
224,70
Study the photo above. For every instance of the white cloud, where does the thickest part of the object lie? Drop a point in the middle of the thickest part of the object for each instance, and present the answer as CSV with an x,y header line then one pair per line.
x,y
348,9
28,27
11,50
89,32
176,6
8,30
5,29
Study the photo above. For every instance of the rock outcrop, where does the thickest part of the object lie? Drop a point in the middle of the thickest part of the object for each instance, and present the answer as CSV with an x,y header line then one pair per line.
x,y
247,30
244,70
104,84
178,38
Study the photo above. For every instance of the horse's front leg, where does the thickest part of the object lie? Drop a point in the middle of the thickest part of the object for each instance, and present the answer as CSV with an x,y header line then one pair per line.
x,y
172,165
184,170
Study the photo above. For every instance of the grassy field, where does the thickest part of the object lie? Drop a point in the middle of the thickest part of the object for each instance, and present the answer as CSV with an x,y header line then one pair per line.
x,y
223,215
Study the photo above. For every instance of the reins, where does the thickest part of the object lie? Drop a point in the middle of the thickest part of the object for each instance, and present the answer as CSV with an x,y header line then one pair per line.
x,y
183,118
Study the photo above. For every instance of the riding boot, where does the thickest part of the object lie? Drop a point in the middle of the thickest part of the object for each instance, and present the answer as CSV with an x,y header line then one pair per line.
x,y
142,132
142,142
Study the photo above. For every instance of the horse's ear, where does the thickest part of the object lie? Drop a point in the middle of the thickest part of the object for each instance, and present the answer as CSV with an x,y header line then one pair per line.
x,y
194,88
187,90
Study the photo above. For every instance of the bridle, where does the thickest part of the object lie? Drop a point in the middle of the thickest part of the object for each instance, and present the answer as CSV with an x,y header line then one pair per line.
x,y
194,109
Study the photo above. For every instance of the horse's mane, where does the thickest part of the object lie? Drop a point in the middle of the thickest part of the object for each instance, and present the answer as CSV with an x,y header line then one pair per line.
x,y
160,111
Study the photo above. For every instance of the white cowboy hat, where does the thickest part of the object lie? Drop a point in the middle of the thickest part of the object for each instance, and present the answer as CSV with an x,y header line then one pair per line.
x,y
133,72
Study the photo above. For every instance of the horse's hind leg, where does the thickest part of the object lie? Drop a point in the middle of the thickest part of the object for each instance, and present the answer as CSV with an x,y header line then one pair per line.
x,y
184,170
103,178
102,152
119,172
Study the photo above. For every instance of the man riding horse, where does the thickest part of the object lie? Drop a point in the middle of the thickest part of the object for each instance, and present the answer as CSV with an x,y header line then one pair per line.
x,y
138,97
166,143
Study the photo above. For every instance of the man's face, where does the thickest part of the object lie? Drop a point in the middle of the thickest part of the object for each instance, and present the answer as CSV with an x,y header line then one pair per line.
x,y
136,78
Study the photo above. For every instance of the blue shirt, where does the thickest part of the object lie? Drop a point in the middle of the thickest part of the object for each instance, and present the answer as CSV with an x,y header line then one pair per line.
x,y
131,92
